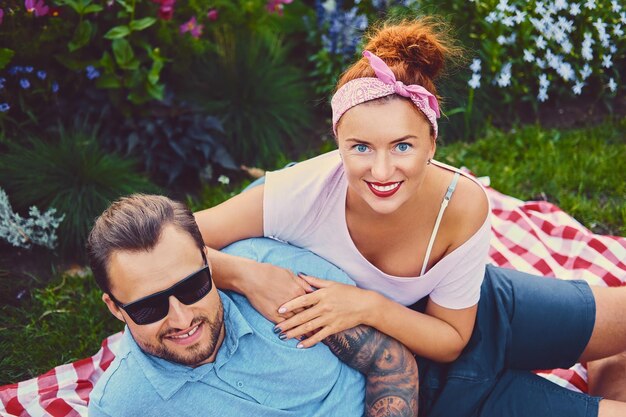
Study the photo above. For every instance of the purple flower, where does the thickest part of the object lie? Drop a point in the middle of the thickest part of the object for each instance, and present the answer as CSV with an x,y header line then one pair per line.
x,y
92,72
28,69
4,107
2,81
213,15
166,8
192,27
276,6
24,83
14,70
38,6
41,75
55,87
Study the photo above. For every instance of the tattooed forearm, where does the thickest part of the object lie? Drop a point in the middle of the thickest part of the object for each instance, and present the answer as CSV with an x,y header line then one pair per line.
x,y
391,371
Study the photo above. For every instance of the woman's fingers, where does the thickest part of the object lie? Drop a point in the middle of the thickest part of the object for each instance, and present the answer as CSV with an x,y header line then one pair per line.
x,y
303,329
299,319
316,282
303,301
316,338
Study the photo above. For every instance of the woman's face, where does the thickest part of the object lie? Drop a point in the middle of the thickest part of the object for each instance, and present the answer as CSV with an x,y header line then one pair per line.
x,y
385,147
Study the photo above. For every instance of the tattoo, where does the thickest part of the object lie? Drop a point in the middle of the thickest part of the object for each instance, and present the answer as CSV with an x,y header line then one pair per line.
x,y
392,386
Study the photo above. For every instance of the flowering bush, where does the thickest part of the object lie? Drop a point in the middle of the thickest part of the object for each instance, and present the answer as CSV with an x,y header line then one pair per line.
x,y
536,49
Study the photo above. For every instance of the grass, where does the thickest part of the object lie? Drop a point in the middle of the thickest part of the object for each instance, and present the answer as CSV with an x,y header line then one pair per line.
x,y
579,170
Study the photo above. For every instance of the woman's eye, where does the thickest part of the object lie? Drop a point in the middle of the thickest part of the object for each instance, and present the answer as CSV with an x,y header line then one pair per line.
x,y
403,147
360,148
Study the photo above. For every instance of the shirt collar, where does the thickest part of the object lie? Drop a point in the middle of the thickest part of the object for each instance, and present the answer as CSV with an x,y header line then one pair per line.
x,y
168,377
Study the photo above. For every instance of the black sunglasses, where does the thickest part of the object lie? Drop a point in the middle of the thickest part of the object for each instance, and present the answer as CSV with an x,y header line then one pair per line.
x,y
155,307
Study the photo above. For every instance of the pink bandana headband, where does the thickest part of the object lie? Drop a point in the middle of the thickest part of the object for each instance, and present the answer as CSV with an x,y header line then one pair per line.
x,y
365,89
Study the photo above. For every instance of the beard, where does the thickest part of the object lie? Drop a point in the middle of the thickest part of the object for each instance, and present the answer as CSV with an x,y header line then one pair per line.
x,y
195,354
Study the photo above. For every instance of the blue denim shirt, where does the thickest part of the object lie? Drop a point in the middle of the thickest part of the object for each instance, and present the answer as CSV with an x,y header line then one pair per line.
x,y
254,373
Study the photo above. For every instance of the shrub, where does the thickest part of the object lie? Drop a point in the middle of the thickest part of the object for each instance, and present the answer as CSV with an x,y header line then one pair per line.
x,y
73,175
38,229
249,84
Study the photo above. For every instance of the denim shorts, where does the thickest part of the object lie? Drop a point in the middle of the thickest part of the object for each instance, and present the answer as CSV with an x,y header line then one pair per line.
x,y
523,323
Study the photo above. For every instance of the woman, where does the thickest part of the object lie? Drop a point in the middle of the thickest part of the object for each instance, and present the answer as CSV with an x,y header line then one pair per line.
x,y
387,205
405,228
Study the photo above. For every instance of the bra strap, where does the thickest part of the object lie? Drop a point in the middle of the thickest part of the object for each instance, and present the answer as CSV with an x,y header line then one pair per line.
x,y
444,204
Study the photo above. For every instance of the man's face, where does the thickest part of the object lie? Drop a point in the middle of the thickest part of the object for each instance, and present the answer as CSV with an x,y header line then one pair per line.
x,y
189,334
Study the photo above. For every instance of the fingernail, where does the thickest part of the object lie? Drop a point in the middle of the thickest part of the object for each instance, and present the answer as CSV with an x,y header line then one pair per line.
x,y
302,274
277,330
282,336
281,310
300,346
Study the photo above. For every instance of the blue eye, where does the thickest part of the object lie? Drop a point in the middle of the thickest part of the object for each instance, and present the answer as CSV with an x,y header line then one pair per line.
x,y
360,148
403,147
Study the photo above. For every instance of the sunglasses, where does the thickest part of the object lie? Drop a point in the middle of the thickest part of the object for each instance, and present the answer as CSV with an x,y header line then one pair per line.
x,y
155,307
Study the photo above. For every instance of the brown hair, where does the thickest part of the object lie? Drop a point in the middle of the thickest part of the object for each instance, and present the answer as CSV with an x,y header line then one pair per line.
x,y
135,223
415,50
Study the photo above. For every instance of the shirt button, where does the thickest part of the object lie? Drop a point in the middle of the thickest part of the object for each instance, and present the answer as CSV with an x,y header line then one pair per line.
x,y
240,384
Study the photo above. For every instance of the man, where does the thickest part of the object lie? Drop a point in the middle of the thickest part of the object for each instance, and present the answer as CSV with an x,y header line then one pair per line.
x,y
192,350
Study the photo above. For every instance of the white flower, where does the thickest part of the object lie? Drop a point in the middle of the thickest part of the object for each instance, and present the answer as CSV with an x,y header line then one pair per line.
x,y
612,85
574,9
566,71
591,4
504,79
492,17
519,17
223,179
503,6
540,63
544,83
541,42
476,65
613,49
329,6
585,72
508,21
474,82
622,18
617,31
566,25
566,46
615,6
543,96
528,56
607,61
560,4
501,40
540,8
578,88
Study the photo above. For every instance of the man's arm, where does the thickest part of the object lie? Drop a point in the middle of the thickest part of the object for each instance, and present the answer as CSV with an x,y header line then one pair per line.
x,y
392,386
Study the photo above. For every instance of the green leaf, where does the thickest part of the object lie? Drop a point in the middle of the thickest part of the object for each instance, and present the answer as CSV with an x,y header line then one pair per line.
x,y
155,91
6,55
81,37
155,71
75,5
107,62
117,32
108,81
93,8
142,24
70,63
122,51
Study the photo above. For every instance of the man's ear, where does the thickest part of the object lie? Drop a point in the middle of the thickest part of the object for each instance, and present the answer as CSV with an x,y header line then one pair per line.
x,y
113,308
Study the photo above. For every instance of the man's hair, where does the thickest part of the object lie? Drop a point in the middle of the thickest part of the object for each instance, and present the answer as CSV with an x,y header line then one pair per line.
x,y
135,223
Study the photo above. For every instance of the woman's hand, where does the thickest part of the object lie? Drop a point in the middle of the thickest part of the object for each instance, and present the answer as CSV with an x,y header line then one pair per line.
x,y
271,286
331,309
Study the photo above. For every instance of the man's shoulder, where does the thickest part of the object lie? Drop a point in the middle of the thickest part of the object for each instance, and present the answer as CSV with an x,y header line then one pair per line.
x,y
122,388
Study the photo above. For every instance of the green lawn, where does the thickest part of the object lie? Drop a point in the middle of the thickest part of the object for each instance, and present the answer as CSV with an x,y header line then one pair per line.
x,y
581,170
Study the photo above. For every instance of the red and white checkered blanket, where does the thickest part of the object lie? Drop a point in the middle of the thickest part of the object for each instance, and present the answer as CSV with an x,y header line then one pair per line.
x,y
534,237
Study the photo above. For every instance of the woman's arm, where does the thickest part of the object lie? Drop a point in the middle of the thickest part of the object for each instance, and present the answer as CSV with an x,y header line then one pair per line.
x,y
266,286
440,334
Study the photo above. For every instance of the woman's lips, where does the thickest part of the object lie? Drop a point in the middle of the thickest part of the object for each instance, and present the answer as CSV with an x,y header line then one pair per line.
x,y
383,190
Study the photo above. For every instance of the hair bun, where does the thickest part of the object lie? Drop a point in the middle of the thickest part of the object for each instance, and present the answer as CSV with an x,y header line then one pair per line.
x,y
422,45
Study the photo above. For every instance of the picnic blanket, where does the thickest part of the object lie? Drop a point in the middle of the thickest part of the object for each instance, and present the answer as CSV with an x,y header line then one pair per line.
x,y
535,237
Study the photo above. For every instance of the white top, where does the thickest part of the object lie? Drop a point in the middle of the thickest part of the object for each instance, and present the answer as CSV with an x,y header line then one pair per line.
x,y
304,205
